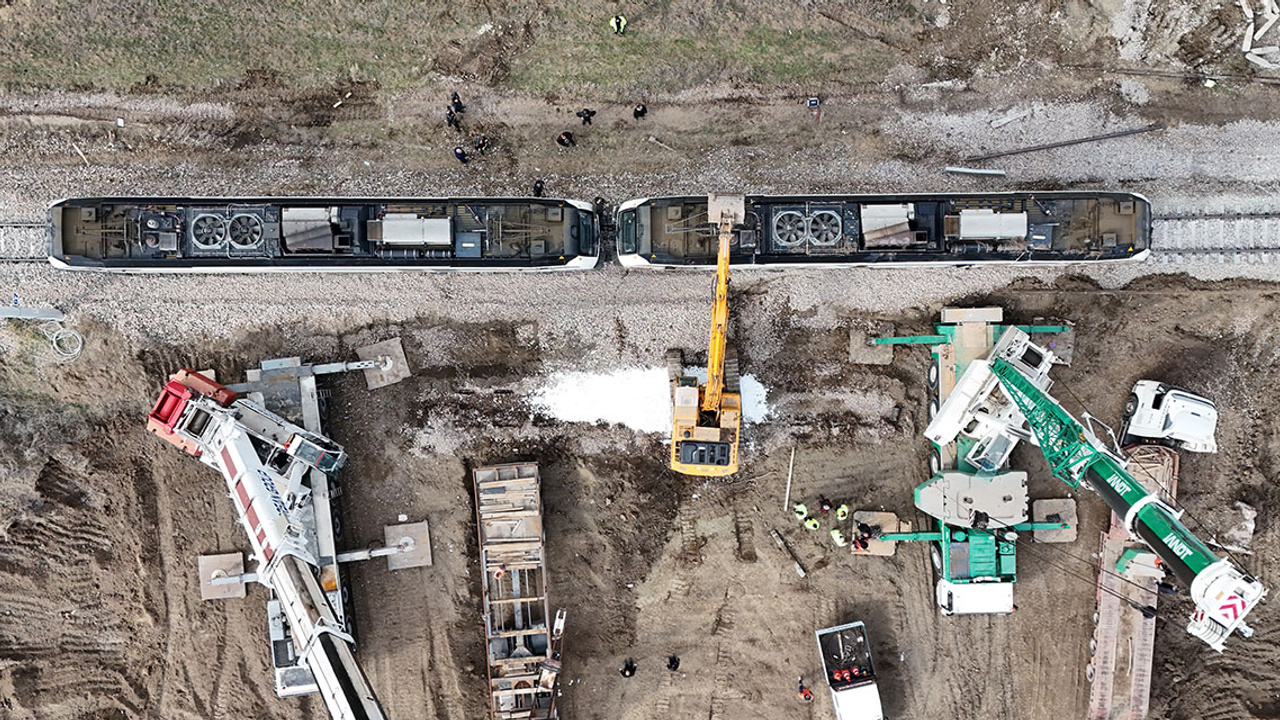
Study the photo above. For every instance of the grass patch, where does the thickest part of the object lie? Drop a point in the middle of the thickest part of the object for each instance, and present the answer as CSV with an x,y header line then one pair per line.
x,y
647,63
546,48
198,44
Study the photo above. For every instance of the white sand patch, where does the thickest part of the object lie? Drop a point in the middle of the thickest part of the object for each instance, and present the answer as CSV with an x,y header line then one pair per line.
x,y
637,398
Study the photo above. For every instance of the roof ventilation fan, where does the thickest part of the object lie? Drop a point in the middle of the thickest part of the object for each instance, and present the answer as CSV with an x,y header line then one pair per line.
x,y
788,228
825,228
245,231
209,231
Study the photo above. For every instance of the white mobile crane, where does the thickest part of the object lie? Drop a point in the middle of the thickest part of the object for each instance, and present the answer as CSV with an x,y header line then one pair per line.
x,y
1222,592
266,461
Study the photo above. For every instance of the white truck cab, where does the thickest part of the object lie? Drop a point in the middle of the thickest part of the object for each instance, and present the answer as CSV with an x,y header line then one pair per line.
x,y
1156,412
986,598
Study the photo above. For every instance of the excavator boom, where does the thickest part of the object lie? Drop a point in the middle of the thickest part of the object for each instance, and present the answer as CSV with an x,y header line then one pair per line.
x,y
706,417
714,391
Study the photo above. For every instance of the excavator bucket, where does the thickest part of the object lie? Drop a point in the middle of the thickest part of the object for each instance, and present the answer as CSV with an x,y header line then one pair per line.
x,y
726,207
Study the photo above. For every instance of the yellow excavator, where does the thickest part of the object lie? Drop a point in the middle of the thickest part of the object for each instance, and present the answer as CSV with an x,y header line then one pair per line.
x,y
706,418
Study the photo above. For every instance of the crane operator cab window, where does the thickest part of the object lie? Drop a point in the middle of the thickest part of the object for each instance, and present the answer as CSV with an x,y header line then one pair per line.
x,y
325,459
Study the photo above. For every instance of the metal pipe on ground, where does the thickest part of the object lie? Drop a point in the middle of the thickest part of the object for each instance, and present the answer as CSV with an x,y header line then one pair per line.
x,y
973,171
1067,143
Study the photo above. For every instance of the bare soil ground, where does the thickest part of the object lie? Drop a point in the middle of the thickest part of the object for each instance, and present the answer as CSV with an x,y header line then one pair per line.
x,y
101,608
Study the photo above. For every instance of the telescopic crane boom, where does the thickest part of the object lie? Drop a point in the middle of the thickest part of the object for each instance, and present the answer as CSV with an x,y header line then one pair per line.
x,y
706,418
1223,593
265,461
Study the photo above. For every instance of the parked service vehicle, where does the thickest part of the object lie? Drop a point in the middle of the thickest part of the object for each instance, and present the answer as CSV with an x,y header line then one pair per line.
x,y
846,660
1161,413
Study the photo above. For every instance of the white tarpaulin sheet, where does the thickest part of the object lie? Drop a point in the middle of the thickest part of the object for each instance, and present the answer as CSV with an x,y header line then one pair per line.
x,y
638,398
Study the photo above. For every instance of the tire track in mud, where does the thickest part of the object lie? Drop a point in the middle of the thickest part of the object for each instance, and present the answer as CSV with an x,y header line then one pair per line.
x,y
68,643
662,703
720,692
690,542
218,696
154,497
744,532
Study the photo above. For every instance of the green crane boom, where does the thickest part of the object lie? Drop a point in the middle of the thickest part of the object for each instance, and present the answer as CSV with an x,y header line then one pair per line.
x,y
1223,594
1073,458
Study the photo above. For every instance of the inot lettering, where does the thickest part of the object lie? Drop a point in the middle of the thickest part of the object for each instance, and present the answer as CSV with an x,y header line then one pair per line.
x,y
1176,544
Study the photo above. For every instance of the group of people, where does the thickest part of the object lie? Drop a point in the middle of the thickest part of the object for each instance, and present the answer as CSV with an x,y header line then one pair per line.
x,y
861,539
825,508
566,139
629,668
454,110
452,113
629,665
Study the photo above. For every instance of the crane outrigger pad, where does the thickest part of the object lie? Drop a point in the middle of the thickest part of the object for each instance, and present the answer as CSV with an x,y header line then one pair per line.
x,y
375,378
419,534
1064,511
887,522
220,566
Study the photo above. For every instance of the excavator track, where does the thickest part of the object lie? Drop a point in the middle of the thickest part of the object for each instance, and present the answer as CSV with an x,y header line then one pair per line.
x,y
675,368
732,379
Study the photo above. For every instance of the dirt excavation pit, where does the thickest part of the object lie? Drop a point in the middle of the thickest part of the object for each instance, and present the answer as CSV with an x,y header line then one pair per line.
x,y
100,614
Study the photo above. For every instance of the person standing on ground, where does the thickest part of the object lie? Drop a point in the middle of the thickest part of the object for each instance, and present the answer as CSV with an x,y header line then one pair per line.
x,y
538,186
481,144
451,119
565,139
628,668
455,104
824,504
639,111
803,692
618,23
461,154
586,114
673,663
842,512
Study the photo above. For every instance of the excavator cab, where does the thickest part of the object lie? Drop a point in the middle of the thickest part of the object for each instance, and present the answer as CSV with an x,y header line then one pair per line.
x,y
706,417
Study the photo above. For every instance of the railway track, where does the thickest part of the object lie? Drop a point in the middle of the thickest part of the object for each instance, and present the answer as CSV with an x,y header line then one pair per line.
x,y
1216,238
22,241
